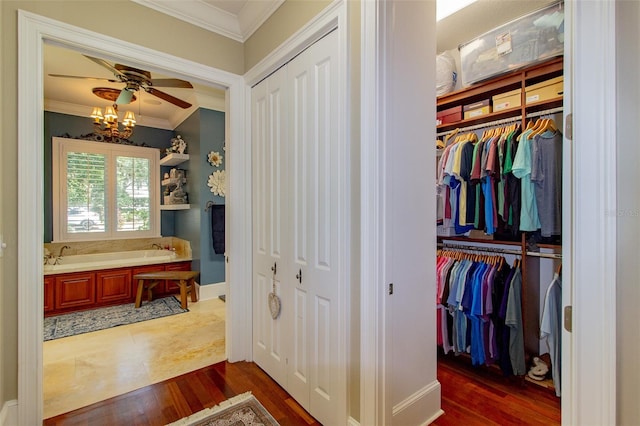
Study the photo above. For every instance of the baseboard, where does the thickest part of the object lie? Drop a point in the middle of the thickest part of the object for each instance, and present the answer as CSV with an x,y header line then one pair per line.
x,y
421,408
212,291
352,422
9,413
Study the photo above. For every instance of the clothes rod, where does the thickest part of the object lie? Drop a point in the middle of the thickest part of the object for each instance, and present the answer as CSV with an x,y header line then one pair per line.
x,y
545,255
480,249
545,112
494,123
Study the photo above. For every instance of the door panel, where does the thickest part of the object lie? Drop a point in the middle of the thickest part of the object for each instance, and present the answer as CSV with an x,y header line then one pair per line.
x,y
269,201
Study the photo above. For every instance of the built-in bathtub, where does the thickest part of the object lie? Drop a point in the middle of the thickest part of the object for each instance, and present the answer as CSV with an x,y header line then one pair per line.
x,y
89,262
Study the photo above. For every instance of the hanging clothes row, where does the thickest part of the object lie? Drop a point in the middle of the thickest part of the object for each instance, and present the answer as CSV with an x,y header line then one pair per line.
x,y
480,311
502,179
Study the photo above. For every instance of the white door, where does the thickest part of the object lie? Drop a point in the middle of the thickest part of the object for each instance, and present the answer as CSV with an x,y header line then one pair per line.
x,y
270,233
295,219
313,139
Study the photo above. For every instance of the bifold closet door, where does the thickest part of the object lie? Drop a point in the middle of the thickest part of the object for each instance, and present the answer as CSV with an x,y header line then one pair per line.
x,y
270,223
295,226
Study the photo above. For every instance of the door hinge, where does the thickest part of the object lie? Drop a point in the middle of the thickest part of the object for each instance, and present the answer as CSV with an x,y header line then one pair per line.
x,y
390,288
568,318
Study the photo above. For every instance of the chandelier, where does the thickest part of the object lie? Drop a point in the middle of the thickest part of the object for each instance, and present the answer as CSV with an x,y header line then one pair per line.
x,y
107,125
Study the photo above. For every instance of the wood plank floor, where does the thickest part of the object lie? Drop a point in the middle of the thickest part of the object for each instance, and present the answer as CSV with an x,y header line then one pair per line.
x,y
470,396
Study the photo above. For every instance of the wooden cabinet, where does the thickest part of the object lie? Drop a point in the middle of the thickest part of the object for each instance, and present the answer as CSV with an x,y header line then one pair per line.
x,y
171,286
113,286
49,303
74,290
92,289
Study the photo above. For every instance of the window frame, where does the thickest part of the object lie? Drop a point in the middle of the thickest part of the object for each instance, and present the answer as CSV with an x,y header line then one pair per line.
x,y
60,147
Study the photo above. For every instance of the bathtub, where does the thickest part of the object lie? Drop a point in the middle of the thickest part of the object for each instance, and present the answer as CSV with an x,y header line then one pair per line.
x,y
89,262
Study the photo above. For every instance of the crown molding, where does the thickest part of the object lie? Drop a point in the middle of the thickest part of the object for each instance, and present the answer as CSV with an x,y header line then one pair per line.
x,y
202,14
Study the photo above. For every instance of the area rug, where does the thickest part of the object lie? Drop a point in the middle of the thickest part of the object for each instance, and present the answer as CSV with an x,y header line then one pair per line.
x,y
241,410
66,325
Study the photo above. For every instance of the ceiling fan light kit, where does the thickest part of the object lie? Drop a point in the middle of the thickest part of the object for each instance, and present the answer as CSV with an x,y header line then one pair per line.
x,y
111,128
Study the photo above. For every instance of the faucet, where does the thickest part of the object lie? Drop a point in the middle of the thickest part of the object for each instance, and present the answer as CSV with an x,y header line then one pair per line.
x,y
157,246
63,249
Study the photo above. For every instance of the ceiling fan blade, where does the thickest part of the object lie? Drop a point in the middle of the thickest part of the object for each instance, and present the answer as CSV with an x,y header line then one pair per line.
x,y
124,97
167,97
171,82
85,78
105,64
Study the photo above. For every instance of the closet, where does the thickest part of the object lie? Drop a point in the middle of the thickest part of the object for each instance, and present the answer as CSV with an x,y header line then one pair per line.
x,y
297,203
485,231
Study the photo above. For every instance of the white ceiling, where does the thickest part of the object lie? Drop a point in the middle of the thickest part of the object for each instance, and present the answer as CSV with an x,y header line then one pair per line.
x,y
237,19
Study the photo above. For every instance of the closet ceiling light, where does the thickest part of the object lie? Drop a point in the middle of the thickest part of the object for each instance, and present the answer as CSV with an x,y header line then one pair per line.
x,y
445,8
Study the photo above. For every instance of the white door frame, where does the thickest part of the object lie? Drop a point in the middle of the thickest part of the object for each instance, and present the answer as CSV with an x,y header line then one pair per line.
x,y
592,259
33,31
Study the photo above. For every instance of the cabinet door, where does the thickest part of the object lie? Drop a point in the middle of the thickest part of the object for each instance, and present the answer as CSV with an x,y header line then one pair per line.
x,y
49,284
158,290
113,286
170,286
75,290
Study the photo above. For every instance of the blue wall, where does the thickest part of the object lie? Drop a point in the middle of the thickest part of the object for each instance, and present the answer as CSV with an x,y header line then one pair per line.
x,y
204,132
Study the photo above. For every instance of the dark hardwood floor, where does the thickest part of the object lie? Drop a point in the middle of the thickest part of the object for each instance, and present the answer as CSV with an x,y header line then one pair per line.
x,y
470,396
168,401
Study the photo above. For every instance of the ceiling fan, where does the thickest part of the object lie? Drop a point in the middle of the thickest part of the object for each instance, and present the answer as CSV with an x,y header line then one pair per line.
x,y
134,79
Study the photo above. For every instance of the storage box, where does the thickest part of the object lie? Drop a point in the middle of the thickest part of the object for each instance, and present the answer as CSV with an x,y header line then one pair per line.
x,y
477,109
544,91
512,99
449,115
532,38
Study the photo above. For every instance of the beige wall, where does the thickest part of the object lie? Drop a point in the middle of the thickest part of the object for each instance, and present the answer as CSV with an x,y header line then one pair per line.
x,y
285,21
124,20
628,213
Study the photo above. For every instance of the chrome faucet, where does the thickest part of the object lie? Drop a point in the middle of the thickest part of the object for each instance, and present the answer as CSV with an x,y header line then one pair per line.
x,y
62,249
157,246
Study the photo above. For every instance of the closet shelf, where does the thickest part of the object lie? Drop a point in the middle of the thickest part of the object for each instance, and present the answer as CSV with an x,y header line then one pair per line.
x,y
480,240
506,113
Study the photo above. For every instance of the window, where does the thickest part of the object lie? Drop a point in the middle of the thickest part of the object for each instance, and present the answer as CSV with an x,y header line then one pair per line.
x,y
104,191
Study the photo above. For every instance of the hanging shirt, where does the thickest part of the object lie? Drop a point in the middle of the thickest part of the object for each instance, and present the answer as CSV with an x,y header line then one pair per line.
x,y
551,328
513,320
529,220
546,175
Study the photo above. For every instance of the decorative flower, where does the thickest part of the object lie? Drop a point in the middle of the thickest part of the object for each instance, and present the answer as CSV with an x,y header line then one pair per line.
x,y
215,158
216,182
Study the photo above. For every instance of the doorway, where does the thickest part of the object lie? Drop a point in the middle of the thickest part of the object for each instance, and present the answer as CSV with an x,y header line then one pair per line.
x,y
34,31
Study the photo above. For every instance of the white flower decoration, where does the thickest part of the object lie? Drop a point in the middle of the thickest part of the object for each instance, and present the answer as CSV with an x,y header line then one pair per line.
x,y
215,158
216,182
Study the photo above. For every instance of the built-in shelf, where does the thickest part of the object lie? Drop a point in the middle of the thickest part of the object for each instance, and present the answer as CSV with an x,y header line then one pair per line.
x,y
173,159
175,207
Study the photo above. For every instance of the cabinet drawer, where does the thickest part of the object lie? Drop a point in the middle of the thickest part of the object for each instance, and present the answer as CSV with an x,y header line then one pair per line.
x,y
74,291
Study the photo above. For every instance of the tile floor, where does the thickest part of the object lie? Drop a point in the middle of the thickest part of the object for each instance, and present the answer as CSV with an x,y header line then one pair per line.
x,y
87,368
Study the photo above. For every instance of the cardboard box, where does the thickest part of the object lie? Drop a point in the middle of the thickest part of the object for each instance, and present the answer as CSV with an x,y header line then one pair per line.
x,y
530,39
450,115
549,89
512,99
477,109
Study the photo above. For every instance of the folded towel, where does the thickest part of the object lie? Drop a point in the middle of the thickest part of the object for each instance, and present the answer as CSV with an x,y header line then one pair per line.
x,y
217,228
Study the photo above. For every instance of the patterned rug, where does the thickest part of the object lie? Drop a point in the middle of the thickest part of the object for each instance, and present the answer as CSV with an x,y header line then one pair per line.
x,y
56,327
241,410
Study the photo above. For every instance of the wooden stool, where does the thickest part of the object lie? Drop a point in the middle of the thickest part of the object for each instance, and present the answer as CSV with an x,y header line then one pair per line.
x,y
184,279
